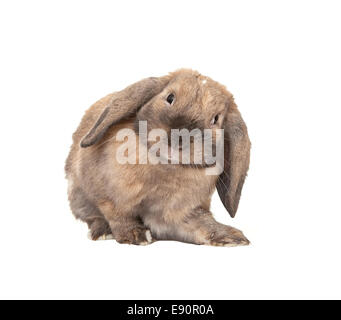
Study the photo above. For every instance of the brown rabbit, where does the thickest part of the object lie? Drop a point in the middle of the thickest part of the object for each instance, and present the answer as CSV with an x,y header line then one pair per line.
x,y
140,203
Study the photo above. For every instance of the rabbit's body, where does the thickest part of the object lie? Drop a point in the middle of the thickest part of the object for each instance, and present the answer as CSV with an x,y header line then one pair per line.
x,y
157,195
139,203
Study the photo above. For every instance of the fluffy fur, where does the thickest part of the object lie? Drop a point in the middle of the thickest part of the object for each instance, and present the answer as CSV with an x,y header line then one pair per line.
x,y
171,201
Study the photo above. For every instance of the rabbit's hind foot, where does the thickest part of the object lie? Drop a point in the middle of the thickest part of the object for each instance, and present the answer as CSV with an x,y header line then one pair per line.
x,y
100,230
139,235
102,237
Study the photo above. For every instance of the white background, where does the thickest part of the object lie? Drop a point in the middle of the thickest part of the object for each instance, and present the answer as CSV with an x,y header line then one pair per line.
x,y
280,59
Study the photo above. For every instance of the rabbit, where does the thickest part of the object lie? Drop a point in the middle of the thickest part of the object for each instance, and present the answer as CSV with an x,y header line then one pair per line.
x,y
142,203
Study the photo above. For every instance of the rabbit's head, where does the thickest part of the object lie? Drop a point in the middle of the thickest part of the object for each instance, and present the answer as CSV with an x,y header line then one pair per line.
x,y
185,100
188,105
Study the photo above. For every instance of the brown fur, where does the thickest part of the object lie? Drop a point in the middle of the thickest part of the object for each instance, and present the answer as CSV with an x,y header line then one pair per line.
x,y
172,201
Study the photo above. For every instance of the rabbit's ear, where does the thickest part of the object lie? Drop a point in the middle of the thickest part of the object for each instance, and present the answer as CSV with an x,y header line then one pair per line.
x,y
124,104
236,160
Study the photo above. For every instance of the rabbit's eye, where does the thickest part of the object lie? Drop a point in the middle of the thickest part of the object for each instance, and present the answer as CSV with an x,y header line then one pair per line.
x,y
170,98
215,120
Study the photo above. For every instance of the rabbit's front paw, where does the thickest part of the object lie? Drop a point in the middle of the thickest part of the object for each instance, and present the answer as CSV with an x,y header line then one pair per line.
x,y
138,236
228,237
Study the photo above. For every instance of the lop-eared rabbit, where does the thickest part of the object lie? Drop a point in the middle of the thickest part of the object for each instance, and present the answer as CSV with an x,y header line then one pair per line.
x,y
142,202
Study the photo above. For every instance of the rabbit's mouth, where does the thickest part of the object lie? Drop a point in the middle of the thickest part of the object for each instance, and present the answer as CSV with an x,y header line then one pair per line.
x,y
189,148
180,155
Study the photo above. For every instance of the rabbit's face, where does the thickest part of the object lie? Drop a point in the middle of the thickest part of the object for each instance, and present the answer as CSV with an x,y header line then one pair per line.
x,y
190,103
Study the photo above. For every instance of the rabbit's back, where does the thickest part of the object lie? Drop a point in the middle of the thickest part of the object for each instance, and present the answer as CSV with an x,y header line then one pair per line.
x,y
90,116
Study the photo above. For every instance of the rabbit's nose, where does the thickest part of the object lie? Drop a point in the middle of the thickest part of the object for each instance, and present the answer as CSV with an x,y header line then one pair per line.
x,y
183,122
179,122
